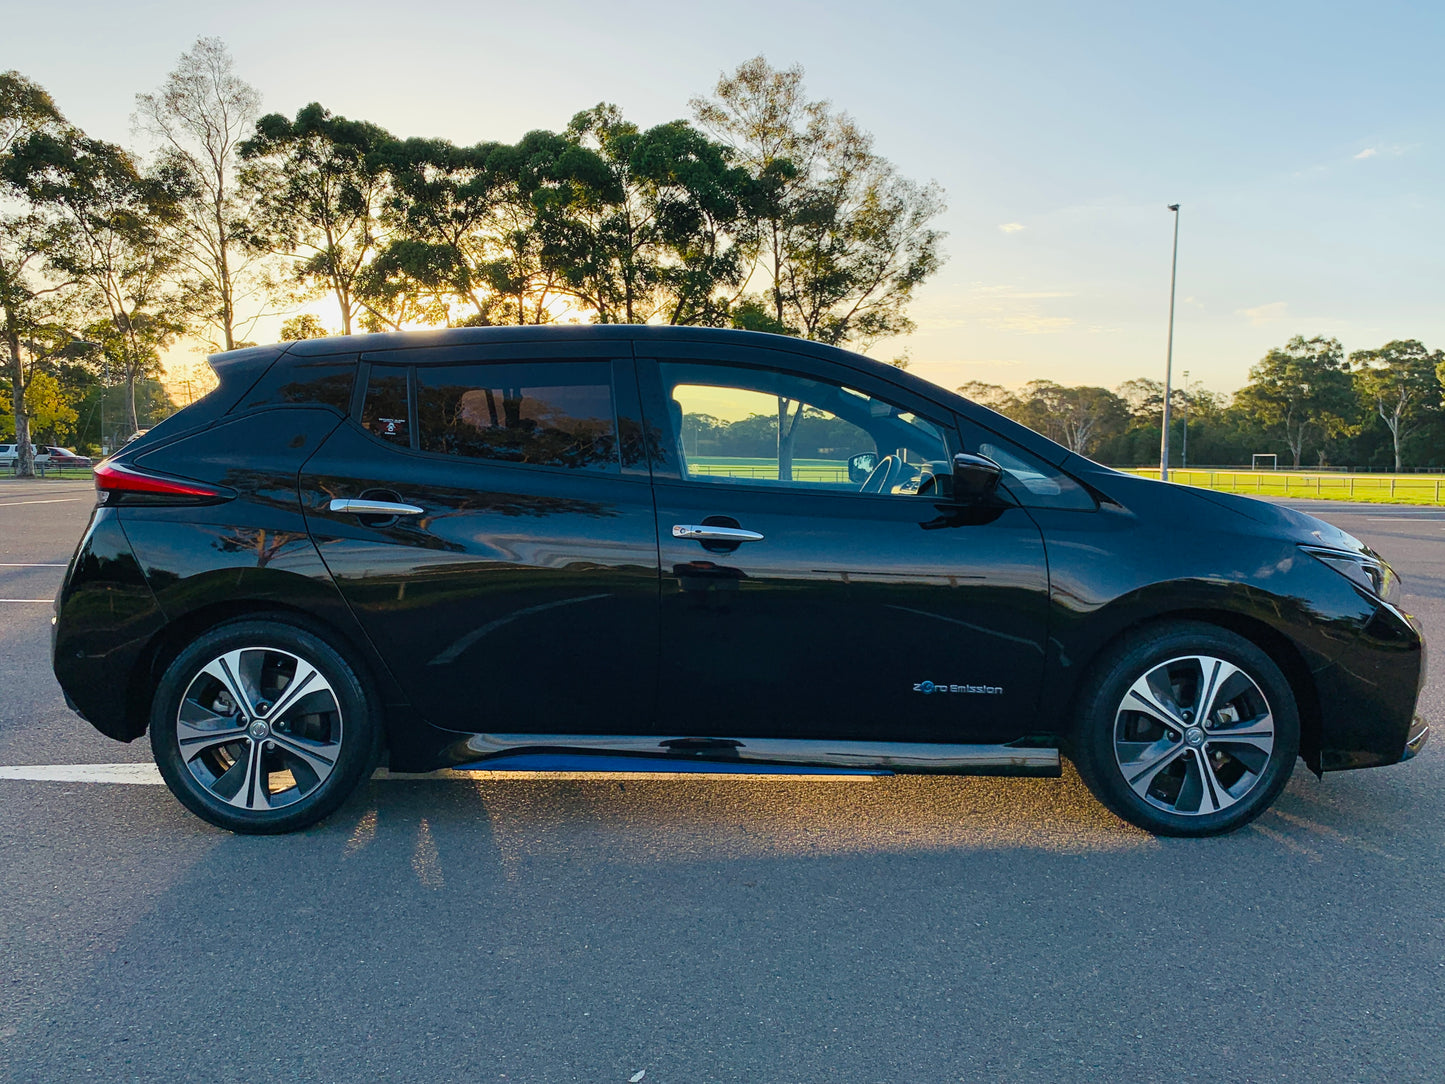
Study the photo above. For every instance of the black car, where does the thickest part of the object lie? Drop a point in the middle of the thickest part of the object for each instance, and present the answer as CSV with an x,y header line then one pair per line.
x,y
688,549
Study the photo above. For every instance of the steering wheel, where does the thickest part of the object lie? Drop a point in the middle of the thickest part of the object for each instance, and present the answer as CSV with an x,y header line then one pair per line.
x,y
880,478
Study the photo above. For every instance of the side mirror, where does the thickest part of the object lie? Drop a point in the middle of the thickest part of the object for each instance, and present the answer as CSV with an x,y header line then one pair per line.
x,y
861,466
974,476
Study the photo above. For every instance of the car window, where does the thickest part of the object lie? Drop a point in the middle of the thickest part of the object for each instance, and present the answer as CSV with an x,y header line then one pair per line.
x,y
384,411
547,413
738,425
1031,481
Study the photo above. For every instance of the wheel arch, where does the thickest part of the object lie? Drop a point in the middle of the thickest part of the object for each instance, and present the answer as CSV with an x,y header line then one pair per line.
x,y
166,644
1283,652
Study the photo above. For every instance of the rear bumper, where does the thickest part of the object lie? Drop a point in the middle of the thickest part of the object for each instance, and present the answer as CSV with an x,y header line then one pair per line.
x,y
1416,739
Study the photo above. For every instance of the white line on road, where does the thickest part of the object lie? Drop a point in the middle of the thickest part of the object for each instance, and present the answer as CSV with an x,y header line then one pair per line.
x,y
28,564
37,601
53,500
146,774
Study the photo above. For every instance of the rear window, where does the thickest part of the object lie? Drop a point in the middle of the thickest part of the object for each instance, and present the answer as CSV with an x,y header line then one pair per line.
x,y
550,413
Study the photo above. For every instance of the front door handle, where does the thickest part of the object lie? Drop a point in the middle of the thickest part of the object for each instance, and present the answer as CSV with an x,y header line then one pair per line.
x,y
359,507
714,534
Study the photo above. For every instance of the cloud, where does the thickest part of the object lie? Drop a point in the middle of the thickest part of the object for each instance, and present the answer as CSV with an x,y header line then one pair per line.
x,y
1368,152
1265,314
999,307
1012,227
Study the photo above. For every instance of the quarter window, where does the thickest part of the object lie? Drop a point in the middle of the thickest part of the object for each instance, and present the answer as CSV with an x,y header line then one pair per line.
x,y
551,414
384,413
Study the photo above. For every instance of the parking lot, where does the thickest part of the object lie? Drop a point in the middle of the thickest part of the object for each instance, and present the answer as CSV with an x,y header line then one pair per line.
x,y
595,928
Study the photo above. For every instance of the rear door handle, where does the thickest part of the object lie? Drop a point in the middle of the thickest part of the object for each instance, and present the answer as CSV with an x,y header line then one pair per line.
x,y
714,534
359,507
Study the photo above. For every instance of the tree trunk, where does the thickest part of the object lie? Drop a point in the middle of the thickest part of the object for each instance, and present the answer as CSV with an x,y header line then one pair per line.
x,y
24,450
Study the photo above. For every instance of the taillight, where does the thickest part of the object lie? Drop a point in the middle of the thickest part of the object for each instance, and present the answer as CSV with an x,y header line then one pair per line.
x,y
120,483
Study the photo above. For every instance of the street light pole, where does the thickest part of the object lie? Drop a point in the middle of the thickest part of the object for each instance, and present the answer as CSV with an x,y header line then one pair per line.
x,y
1184,453
1169,355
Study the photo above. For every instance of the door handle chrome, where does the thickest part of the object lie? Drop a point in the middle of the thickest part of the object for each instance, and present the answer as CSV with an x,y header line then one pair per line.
x,y
373,508
714,534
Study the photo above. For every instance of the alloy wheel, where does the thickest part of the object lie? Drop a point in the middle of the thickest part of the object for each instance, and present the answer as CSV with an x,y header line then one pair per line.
x,y
259,728
1193,735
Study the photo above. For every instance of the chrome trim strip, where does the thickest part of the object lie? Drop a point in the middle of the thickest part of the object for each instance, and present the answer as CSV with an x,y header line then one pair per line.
x,y
894,756
373,508
699,533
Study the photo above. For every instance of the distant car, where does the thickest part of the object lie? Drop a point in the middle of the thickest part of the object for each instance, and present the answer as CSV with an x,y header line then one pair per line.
x,y
46,455
569,547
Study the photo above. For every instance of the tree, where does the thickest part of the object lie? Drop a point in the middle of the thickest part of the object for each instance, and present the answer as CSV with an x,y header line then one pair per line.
x,y
303,325
111,230
1401,381
1077,418
50,413
319,185
34,309
1299,390
841,238
198,119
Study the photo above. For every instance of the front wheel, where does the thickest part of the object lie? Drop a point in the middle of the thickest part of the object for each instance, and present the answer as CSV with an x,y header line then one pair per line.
x,y
260,726
1186,729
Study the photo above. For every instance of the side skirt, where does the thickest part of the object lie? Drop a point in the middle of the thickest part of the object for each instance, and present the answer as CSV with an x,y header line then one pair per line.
x,y
539,752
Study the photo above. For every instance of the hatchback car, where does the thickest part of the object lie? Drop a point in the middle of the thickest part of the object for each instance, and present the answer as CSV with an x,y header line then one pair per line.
x,y
689,549
46,455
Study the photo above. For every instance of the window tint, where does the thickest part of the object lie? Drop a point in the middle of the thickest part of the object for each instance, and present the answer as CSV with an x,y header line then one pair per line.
x,y
384,413
736,425
322,382
552,414
1031,481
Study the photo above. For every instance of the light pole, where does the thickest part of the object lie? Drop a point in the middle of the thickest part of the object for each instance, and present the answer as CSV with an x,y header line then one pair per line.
x,y
1169,355
1184,452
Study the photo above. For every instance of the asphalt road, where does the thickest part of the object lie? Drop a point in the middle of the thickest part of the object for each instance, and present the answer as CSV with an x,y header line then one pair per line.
x,y
903,929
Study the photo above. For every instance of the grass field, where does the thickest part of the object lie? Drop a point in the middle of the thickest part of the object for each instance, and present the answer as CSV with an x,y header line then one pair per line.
x,y
1373,488
804,470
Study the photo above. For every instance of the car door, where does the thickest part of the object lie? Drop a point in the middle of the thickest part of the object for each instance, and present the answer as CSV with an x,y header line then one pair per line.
x,y
894,614
509,574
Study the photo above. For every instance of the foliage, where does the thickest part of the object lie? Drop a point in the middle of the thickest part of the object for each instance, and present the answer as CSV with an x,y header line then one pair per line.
x,y
198,119
1400,381
1300,391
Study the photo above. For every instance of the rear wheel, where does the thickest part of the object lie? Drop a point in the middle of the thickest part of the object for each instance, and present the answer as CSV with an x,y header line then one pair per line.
x,y
1186,729
260,726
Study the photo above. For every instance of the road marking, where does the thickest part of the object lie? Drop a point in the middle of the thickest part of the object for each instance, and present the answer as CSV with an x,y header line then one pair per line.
x,y
27,564
52,500
37,601
145,774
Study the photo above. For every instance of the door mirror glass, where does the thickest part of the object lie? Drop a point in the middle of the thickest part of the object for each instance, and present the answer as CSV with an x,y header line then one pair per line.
x,y
861,466
974,476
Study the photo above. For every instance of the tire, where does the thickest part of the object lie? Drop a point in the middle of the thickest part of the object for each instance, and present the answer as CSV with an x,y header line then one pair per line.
x,y
1143,751
238,751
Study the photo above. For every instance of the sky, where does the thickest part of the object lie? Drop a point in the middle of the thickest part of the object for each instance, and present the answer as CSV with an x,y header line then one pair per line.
x,y
1304,142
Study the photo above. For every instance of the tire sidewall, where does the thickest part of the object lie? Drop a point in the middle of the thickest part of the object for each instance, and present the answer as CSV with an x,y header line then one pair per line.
x,y
1094,731
360,733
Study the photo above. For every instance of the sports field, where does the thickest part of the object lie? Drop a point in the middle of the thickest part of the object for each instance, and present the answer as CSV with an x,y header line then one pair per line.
x,y
1319,485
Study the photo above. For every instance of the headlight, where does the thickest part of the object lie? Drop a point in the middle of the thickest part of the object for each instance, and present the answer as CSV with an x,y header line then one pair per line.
x,y
1364,570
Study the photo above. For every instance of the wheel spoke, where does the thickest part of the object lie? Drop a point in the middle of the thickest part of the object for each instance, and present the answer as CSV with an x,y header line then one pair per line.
x,y
227,670
309,752
1141,697
1140,774
195,740
1216,797
1258,733
1215,674
306,679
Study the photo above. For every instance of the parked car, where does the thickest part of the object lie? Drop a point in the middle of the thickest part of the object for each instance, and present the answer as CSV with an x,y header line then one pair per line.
x,y
689,549
46,456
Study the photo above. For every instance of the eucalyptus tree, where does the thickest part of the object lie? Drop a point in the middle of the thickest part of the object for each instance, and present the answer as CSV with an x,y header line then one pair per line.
x,y
198,119
33,307
844,241
319,186
109,229
1400,381
1300,390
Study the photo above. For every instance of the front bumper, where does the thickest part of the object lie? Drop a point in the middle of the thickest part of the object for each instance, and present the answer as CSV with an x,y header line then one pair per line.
x,y
1416,739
